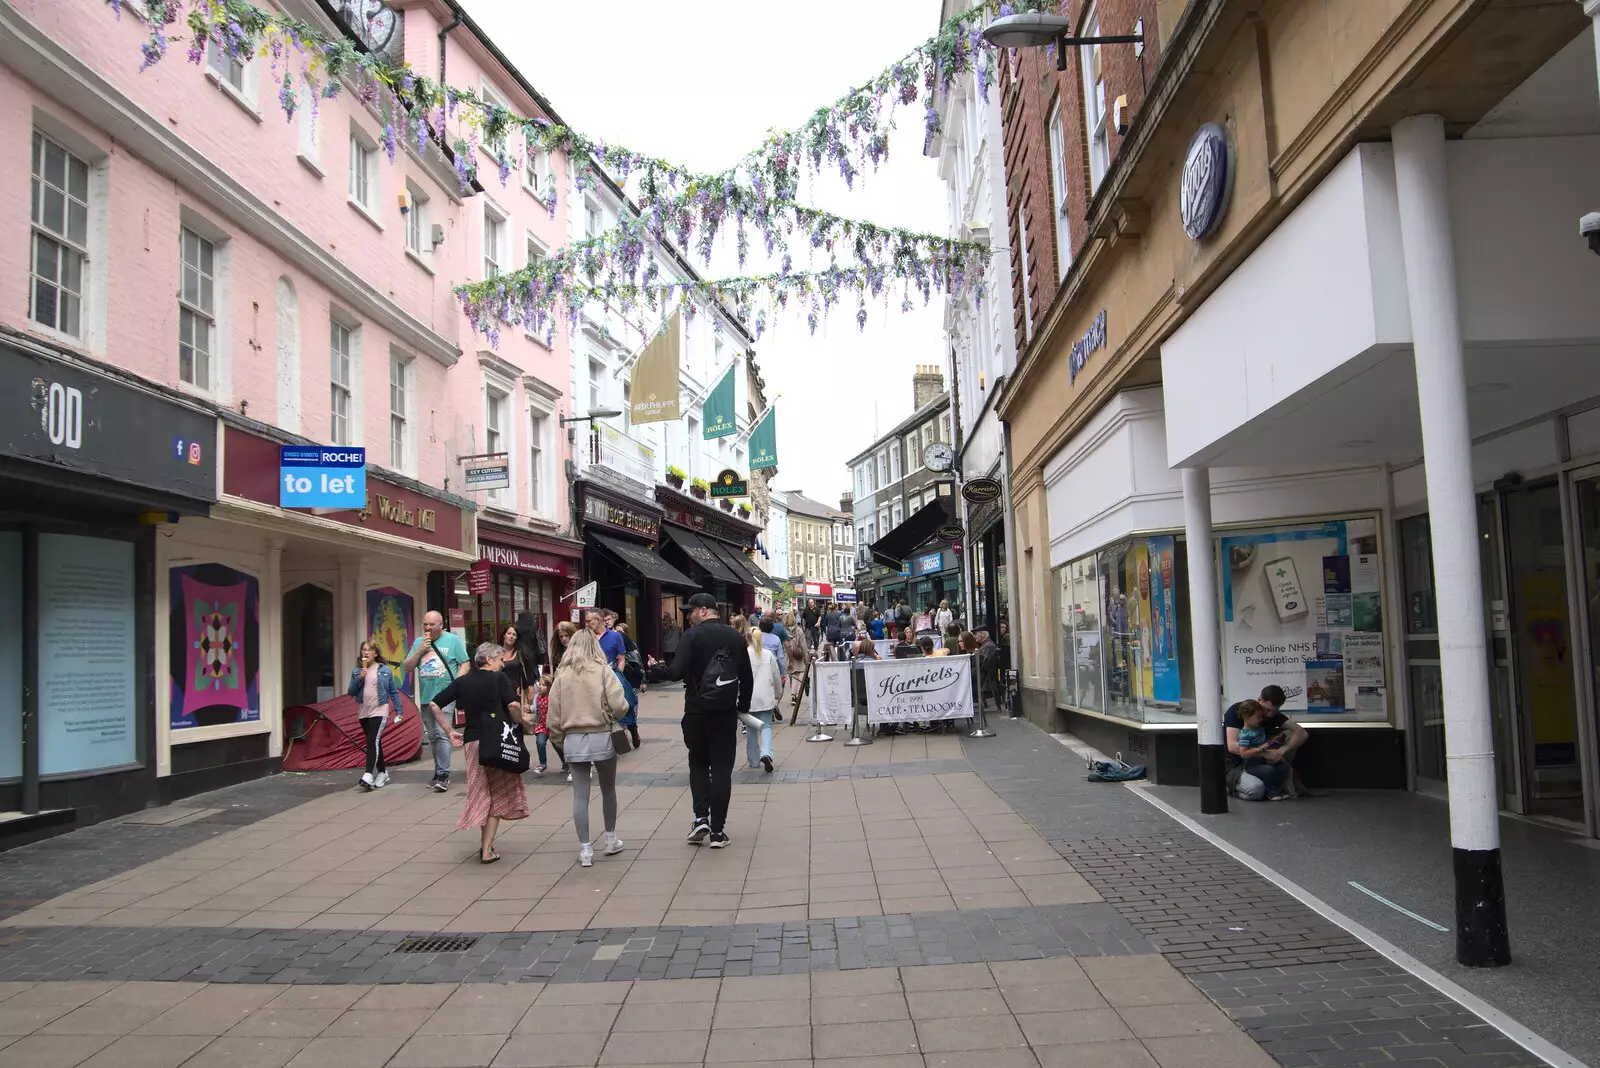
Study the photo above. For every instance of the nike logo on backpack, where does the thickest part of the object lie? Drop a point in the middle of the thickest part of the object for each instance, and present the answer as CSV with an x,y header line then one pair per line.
x,y
726,682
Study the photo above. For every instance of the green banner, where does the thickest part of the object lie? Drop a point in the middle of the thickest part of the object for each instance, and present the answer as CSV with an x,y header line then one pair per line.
x,y
721,416
764,442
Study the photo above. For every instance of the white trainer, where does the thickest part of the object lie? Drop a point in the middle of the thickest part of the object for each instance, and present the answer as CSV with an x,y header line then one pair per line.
x,y
381,781
586,857
610,844
367,782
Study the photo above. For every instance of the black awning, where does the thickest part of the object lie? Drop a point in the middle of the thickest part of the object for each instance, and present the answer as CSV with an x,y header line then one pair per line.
x,y
644,561
704,557
736,562
895,547
762,577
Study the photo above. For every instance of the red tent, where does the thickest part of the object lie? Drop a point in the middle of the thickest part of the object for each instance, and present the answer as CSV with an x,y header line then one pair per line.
x,y
333,736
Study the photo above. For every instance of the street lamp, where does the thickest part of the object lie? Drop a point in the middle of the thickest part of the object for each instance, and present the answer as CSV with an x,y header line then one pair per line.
x,y
1038,30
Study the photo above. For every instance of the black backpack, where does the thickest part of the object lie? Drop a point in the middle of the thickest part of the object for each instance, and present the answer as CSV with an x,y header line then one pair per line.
x,y
719,684
830,627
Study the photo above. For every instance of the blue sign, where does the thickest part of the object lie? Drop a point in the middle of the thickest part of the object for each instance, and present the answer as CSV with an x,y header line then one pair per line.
x,y
905,567
930,563
1094,338
1207,182
316,476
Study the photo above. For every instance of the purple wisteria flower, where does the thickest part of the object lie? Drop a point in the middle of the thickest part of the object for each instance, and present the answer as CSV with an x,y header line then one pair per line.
x,y
154,48
389,140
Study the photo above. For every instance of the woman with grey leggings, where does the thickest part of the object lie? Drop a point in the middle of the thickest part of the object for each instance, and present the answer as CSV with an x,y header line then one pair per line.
x,y
586,700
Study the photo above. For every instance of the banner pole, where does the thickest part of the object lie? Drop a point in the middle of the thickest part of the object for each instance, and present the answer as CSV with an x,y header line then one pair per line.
x,y
816,688
858,720
980,722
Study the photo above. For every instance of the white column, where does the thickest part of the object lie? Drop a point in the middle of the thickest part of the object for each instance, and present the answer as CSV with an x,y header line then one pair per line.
x,y
1421,180
1206,651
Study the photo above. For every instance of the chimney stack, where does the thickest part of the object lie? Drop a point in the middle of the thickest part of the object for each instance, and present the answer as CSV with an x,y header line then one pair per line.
x,y
928,384
847,503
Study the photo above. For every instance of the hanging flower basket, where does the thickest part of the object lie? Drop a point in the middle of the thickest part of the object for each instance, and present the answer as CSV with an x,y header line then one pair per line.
x,y
727,505
675,478
699,488
744,509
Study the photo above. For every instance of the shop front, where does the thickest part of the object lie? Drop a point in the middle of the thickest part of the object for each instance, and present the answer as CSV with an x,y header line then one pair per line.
x,y
517,571
262,608
93,467
712,546
985,544
622,556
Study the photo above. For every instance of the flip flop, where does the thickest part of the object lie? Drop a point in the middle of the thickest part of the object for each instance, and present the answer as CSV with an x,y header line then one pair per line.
x,y
490,859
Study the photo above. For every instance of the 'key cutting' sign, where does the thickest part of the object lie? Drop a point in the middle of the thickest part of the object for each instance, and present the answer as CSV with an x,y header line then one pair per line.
x,y
319,476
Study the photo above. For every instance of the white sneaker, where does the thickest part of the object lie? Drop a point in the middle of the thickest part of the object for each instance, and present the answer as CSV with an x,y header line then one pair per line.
x,y
569,776
366,780
381,781
610,844
586,857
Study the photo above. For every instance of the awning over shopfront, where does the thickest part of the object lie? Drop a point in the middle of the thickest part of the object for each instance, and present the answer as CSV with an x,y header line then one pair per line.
x,y
642,560
897,545
736,562
762,578
704,556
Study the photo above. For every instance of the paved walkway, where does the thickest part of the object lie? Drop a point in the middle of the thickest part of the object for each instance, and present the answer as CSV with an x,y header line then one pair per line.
x,y
922,901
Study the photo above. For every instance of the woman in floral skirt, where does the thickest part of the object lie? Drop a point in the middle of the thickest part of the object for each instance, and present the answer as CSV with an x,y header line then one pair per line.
x,y
492,794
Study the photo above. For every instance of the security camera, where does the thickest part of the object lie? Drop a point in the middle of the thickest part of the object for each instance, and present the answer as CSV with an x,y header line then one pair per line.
x,y
1589,229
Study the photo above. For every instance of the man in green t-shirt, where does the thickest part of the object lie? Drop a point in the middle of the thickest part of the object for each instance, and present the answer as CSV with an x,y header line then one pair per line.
x,y
437,657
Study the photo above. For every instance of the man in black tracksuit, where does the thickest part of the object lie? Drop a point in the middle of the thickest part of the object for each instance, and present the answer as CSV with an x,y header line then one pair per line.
x,y
711,736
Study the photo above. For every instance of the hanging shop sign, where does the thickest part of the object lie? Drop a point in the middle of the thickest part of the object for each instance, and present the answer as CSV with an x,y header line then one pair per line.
x,y
1093,340
1302,609
490,471
950,531
1207,182
981,490
729,484
479,578
70,418
585,597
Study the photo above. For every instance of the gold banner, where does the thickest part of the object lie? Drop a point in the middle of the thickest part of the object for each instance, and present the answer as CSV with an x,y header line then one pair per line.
x,y
655,377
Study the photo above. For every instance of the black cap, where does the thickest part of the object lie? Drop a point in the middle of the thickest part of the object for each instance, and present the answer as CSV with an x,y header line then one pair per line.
x,y
703,600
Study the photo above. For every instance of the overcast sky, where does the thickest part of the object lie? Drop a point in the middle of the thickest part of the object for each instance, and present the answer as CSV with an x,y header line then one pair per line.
x,y
700,82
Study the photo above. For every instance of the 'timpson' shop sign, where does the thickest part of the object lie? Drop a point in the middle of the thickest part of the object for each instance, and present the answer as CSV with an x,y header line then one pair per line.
x,y
924,688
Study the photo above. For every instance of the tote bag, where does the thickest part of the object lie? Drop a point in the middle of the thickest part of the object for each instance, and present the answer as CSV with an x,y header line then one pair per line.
x,y
502,746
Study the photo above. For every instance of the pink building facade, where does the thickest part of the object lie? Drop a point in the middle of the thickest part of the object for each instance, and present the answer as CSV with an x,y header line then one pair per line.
x,y
193,281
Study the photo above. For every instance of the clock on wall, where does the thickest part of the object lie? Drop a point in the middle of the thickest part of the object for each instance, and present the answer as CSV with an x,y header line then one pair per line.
x,y
939,456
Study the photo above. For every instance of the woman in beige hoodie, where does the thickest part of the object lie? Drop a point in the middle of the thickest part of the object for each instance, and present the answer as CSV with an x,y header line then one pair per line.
x,y
586,700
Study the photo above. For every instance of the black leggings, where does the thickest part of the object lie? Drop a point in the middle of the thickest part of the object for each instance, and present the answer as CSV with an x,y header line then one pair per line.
x,y
372,727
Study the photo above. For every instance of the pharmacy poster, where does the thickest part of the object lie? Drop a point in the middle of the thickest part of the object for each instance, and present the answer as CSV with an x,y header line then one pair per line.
x,y
1302,609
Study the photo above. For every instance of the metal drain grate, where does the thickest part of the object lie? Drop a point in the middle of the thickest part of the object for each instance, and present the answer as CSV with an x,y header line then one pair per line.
x,y
453,944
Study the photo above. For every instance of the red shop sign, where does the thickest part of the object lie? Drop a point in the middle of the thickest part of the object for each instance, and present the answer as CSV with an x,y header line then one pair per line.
x,y
522,559
479,580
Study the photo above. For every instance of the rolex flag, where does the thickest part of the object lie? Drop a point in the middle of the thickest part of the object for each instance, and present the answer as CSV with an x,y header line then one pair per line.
x,y
721,417
654,383
764,441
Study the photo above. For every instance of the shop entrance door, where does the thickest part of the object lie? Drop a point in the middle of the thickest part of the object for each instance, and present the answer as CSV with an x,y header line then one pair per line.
x,y
1541,651
307,646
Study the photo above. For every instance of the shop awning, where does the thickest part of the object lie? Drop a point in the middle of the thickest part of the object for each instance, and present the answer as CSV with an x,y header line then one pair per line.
x,y
896,546
641,559
706,558
749,574
762,577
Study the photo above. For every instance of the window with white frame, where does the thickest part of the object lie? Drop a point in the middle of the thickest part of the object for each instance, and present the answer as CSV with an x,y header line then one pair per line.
x,y
363,169
60,214
341,378
399,411
1027,283
897,513
883,468
926,435
692,446
894,462
944,429
591,220
1094,102
197,309
495,406
538,429
597,380
418,239
913,454
535,252
536,171
228,68
1058,184
494,241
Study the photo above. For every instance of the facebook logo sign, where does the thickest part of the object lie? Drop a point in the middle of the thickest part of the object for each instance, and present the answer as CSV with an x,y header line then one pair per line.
x,y
315,476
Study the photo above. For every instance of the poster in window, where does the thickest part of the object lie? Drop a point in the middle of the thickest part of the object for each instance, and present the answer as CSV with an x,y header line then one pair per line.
x,y
215,646
86,650
1292,598
1165,681
389,618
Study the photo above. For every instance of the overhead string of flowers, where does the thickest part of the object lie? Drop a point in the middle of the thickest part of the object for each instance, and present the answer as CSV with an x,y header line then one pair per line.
x,y
757,195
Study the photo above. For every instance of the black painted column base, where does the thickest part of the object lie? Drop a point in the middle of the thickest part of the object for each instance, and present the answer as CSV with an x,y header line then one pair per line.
x,y
1482,940
1213,779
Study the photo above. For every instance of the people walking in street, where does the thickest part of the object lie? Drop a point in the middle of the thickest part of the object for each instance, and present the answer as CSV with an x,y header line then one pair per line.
x,y
952,638
875,626
518,666
587,699
798,650
438,658
372,684
564,634
611,644
485,697
717,686
632,683
768,630
671,634
766,690
943,617
811,619
541,727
